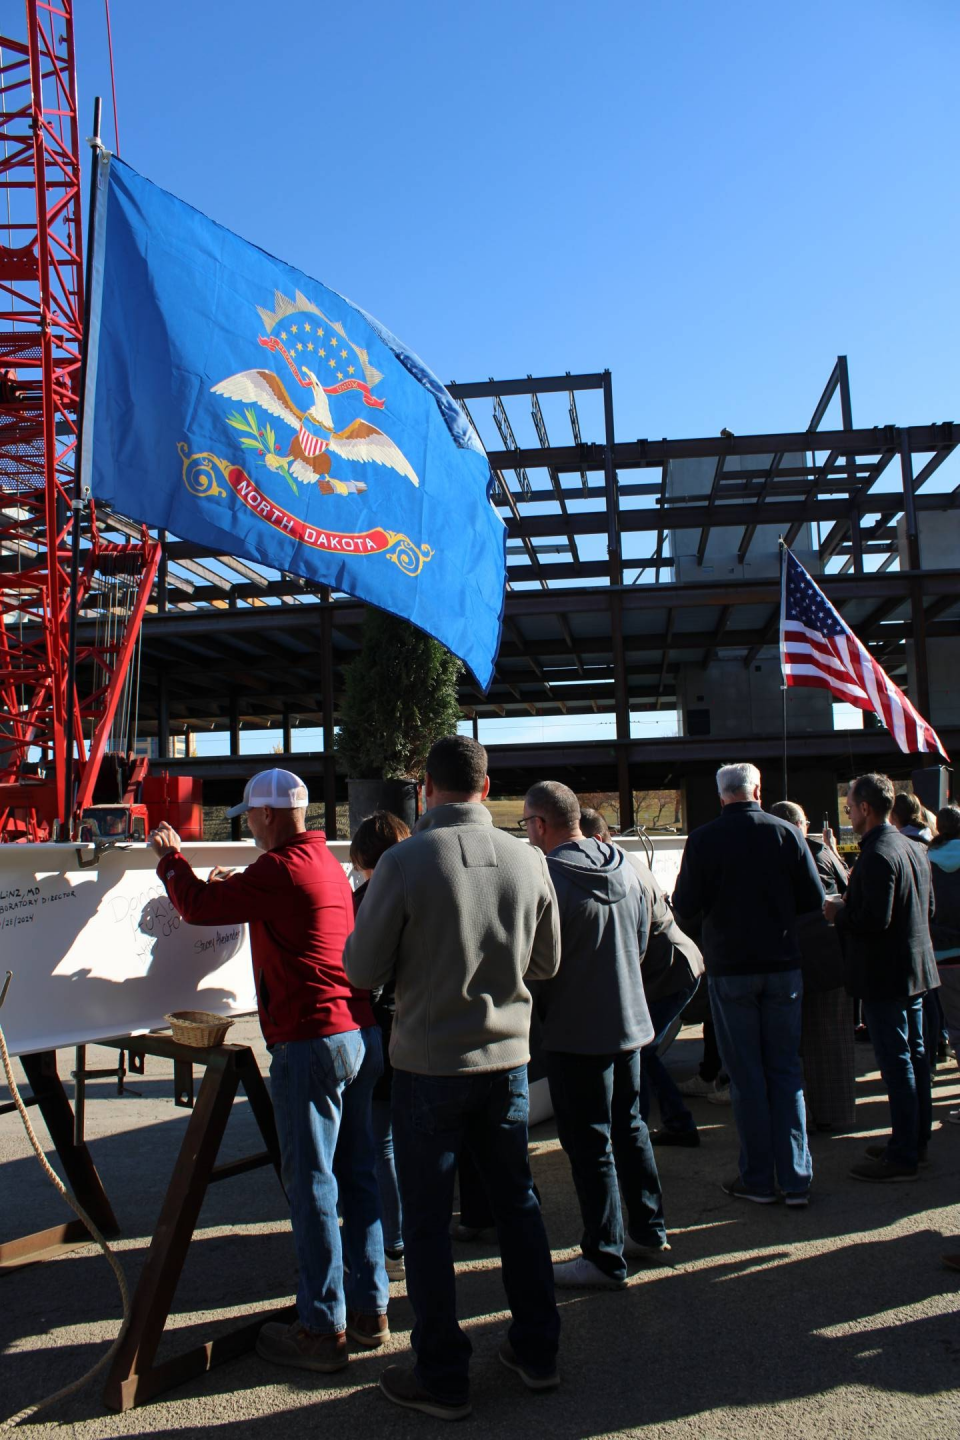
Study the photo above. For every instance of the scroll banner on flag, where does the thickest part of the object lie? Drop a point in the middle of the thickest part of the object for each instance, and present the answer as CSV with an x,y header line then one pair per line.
x,y
235,402
818,648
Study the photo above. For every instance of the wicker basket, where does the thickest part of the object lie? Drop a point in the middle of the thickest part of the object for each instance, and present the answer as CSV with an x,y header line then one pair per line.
x,y
199,1028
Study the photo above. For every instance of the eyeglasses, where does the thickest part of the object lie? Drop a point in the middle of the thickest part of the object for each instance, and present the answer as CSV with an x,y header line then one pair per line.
x,y
525,820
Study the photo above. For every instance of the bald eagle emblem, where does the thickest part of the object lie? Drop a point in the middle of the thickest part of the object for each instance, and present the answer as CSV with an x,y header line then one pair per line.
x,y
317,440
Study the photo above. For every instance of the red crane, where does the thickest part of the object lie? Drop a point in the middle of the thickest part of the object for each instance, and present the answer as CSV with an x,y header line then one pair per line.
x,y
48,769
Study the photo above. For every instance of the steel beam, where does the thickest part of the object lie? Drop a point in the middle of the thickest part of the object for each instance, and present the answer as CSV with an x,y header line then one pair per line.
x,y
921,674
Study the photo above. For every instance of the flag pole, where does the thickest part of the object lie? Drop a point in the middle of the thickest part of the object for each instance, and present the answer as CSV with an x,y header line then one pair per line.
x,y
77,502
783,673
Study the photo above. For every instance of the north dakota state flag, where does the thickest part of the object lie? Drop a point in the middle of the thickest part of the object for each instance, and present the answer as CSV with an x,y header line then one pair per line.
x,y
234,401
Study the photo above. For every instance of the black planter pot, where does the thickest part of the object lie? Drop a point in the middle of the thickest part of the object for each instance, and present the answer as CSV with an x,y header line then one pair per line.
x,y
397,796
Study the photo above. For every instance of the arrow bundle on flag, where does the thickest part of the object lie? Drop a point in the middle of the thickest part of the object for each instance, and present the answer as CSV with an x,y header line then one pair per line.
x,y
818,648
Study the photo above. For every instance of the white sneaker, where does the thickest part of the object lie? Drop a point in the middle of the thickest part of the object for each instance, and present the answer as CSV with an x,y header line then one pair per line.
x,y
633,1250
582,1274
719,1095
954,1117
395,1267
696,1086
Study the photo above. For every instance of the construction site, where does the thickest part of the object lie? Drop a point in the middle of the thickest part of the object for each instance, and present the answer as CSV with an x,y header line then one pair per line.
x,y
145,678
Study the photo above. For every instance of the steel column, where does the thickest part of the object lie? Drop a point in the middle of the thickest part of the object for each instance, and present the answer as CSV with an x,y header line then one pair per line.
x,y
918,615
163,715
329,758
235,823
615,564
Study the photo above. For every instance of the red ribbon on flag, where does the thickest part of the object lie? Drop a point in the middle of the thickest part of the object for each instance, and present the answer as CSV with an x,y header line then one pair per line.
x,y
366,542
270,342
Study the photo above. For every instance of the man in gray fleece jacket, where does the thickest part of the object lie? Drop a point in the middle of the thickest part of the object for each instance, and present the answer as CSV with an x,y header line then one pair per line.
x,y
463,916
595,1021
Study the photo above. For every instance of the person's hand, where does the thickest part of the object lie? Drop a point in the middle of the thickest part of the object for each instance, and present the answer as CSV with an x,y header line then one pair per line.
x,y
219,872
832,907
164,839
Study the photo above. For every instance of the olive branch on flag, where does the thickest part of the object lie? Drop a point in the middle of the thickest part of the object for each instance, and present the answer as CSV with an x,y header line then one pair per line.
x,y
264,441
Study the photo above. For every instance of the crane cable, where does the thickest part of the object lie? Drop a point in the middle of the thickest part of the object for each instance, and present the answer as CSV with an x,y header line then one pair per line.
x,y
30,1410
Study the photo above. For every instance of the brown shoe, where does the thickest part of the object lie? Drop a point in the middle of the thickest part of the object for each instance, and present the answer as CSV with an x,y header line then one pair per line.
x,y
293,1345
368,1330
403,1388
882,1172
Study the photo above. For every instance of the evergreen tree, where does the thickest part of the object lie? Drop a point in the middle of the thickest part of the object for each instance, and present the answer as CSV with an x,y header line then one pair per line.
x,y
401,696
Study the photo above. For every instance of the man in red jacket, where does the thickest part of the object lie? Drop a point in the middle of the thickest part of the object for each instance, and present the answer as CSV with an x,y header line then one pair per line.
x,y
325,1059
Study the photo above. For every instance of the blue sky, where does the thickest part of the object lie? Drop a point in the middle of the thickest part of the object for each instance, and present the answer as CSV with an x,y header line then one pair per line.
x,y
712,200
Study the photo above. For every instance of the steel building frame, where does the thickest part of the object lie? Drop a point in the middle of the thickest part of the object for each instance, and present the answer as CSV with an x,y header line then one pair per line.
x,y
586,632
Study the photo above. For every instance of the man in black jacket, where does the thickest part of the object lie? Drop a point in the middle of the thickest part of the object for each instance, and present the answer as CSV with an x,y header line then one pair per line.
x,y
749,875
884,926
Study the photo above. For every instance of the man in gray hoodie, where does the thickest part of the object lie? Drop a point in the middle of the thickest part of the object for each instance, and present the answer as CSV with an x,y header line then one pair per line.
x,y
595,1021
464,917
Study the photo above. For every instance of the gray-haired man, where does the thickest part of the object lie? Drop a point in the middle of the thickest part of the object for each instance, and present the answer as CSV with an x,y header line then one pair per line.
x,y
749,875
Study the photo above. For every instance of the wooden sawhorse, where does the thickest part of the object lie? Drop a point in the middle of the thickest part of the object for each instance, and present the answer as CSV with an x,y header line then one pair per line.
x,y
50,1098
133,1376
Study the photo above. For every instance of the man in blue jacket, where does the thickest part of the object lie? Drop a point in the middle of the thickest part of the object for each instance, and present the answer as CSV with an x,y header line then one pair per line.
x,y
748,875
595,1021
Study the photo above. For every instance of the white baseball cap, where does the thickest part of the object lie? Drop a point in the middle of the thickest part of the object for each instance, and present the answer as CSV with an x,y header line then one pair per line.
x,y
280,789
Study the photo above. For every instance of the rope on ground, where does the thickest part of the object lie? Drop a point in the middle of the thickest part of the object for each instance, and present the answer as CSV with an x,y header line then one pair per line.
x,y
54,1178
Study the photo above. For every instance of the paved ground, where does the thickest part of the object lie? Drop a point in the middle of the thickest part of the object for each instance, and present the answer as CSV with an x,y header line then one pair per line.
x,y
837,1321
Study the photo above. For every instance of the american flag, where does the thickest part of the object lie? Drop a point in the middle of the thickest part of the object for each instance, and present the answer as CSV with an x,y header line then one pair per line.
x,y
819,649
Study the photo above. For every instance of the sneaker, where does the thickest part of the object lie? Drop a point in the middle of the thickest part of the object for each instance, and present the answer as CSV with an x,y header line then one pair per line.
x,y
634,1250
954,1117
467,1233
720,1095
879,1152
370,1331
394,1265
582,1274
402,1387
739,1191
696,1085
797,1201
533,1379
302,1349
688,1138
882,1172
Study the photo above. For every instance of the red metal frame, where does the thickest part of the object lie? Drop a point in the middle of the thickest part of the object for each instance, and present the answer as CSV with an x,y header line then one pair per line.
x,y
41,333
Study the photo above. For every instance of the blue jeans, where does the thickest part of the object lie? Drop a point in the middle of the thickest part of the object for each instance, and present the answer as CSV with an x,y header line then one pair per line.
x,y
387,1175
434,1118
654,1075
321,1096
896,1029
596,1100
758,1029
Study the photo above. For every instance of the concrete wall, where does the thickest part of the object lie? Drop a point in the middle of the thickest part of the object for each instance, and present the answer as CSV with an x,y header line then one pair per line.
x,y
730,698
695,478
939,550
814,790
